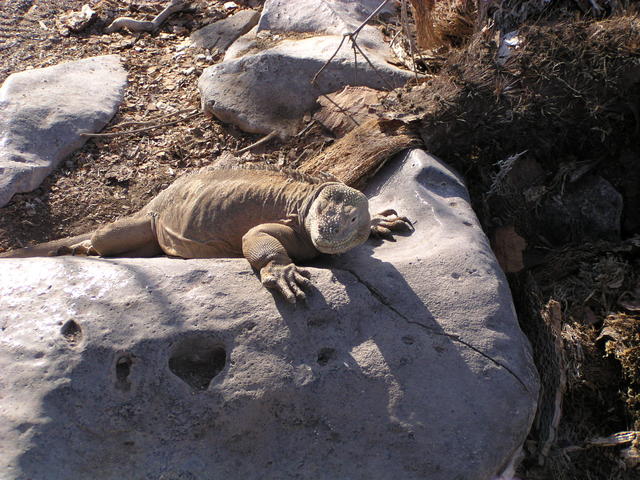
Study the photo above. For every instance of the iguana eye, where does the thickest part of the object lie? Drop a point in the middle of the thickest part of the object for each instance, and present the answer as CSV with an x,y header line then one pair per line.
x,y
353,219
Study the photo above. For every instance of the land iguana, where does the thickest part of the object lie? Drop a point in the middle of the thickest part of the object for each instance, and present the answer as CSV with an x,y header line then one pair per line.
x,y
271,217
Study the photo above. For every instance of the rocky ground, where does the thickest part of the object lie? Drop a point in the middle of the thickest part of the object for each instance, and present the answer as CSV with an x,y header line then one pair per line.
x,y
533,138
111,177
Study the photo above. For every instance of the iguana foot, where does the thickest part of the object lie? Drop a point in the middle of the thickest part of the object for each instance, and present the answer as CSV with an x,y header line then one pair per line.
x,y
287,279
388,221
82,248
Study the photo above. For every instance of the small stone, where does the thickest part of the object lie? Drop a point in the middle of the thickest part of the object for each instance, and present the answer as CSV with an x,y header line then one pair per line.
x,y
78,21
230,5
179,29
509,247
224,32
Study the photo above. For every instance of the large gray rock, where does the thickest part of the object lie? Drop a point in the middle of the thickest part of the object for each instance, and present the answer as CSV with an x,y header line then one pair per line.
x,y
319,17
588,210
224,32
264,82
43,112
322,17
406,363
271,89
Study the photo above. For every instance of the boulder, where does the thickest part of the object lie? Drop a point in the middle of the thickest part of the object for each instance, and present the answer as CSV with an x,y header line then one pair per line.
x,y
264,83
223,33
43,112
587,210
322,17
334,17
291,18
407,361
271,89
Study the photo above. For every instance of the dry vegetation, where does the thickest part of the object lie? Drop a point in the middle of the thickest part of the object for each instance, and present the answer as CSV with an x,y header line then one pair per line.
x,y
526,131
529,132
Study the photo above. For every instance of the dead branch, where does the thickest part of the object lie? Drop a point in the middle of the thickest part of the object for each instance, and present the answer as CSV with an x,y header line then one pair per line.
x,y
146,26
358,155
422,14
306,129
404,20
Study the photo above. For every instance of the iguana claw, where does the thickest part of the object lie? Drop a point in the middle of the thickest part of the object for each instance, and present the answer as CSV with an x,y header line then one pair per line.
x,y
287,279
83,248
388,221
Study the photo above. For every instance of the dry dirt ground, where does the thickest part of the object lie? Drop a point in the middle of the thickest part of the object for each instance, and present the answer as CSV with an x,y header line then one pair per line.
x,y
111,177
570,100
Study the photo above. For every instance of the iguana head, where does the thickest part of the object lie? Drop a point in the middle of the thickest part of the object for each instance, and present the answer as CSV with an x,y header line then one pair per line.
x,y
338,219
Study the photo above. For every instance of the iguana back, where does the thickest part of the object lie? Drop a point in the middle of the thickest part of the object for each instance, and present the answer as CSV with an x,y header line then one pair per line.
x,y
206,214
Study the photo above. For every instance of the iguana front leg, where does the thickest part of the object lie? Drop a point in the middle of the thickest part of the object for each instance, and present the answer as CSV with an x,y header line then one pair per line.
x,y
268,248
388,221
81,248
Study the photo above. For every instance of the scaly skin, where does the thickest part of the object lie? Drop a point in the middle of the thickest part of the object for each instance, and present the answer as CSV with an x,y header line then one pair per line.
x,y
272,218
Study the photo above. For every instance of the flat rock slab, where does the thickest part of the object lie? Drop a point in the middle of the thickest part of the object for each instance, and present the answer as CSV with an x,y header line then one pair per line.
x,y
223,33
271,89
406,363
43,112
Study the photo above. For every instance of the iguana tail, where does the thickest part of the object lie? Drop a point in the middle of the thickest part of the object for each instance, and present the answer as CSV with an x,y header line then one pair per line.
x,y
54,248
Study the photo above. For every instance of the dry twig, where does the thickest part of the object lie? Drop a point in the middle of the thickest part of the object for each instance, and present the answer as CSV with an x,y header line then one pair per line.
x,y
352,36
264,139
146,26
404,20
138,130
153,119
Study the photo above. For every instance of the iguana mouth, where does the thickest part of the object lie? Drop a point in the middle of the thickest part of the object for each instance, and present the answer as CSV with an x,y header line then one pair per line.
x,y
331,247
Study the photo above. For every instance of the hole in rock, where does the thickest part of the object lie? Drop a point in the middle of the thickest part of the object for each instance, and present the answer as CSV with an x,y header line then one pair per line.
x,y
325,355
408,340
197,360
71,332
123,369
